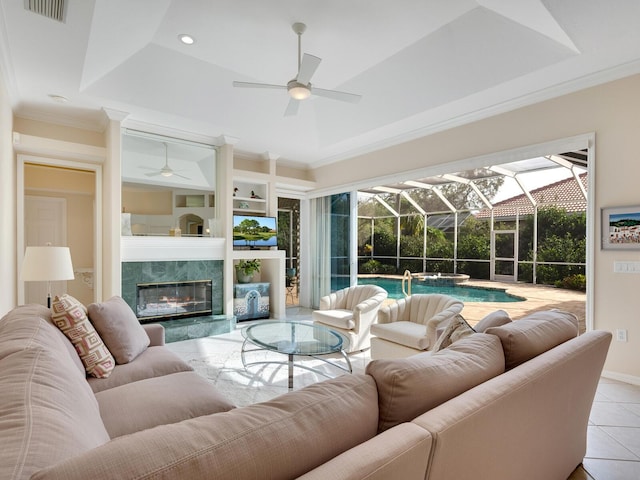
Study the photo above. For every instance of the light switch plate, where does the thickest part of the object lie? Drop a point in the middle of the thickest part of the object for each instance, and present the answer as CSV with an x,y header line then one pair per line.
x,y
626,267
621,335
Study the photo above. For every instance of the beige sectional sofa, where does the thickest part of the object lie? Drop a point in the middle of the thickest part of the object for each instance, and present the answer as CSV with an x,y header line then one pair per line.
x,y
510,403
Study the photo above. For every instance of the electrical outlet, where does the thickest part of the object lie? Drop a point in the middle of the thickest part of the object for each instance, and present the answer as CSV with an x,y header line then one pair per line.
x,y
621,335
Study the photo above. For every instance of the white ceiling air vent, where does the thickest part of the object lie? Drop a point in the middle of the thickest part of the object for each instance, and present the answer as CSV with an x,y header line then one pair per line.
x,y
53,9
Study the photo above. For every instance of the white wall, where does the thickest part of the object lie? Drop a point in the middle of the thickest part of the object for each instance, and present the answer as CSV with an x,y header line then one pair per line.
x,y
8,270
612,112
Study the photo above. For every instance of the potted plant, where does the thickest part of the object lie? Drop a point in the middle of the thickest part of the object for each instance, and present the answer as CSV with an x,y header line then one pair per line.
x,y
245,269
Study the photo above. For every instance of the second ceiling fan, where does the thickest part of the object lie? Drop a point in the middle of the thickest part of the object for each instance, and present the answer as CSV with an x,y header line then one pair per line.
x,y
165,171
300,87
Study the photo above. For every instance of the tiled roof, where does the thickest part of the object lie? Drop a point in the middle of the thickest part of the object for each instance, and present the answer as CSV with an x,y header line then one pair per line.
x,y
565,194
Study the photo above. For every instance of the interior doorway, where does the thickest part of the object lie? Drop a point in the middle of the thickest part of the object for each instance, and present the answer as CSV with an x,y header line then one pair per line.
x,y
45,222
59,203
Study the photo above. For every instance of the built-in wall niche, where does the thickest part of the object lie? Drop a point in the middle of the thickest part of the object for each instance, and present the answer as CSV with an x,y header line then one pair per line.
x,y
168,186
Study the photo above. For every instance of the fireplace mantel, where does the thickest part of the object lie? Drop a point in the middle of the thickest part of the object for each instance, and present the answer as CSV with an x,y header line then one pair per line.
x,y
143,249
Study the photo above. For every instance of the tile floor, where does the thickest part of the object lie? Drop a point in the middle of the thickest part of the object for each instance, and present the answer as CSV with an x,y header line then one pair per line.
x,y
613,441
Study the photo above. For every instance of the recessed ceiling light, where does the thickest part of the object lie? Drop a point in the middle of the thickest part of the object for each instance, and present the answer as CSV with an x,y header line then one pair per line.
x,y
186,39
58,98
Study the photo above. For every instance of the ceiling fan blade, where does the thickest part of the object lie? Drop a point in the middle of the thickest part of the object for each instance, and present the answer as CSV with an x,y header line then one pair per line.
x,y
258,85
292,107
181,176
336,95
153,174
148,168
308,67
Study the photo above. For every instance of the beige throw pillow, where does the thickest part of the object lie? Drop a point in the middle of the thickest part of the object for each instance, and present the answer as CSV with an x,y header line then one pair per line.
x,y
119,328
534,334
456,329
69,315
408,387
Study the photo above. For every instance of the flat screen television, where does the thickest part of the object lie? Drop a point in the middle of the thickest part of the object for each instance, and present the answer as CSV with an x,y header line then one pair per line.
x,y
254,232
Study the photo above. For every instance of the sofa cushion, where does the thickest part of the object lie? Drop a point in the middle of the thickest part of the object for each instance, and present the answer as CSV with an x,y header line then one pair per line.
x,y
119,329
153,362
455,330
534,334
410,386
158,401
21,328
494,319
282,438
47,411
335,318
69,315
406,333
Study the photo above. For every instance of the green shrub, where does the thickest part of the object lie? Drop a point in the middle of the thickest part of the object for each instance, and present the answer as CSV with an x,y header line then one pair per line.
x,y
573,282
374,266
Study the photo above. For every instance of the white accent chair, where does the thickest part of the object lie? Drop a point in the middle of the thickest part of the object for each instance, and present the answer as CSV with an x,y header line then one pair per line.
x,y
351,311
411,325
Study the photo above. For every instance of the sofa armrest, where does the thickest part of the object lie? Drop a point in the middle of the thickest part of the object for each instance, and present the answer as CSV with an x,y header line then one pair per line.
x,y
366,313
542,405
155,331
370,304
400,452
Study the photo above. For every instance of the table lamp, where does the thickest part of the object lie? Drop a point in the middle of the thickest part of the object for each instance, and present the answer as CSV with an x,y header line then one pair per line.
x,y
48,264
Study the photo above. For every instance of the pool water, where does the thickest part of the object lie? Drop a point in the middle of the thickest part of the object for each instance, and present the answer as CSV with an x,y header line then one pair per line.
x,y
464,293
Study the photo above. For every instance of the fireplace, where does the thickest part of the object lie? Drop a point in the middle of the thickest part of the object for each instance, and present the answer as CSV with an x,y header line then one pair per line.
x,y
170,300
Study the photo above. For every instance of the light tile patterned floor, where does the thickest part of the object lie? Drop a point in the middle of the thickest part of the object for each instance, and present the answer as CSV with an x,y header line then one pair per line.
x,y
613,442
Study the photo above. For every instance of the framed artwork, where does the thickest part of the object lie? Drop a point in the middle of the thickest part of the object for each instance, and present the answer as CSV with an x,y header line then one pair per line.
x,y
621,228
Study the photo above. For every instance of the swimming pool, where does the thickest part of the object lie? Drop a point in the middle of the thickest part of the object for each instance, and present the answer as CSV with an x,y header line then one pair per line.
x,y
464,293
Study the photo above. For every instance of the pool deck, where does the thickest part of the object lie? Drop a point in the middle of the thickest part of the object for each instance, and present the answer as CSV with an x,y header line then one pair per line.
x,y
538,297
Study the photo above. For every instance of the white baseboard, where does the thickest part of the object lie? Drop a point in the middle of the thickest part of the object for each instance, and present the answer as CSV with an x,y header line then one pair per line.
x,y
622,377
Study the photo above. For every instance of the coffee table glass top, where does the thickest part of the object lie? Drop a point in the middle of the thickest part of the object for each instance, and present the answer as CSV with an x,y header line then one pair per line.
x,y
295,338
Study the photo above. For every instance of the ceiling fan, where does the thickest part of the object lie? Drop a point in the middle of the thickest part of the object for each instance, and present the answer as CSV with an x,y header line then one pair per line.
x,y
300,87
165,171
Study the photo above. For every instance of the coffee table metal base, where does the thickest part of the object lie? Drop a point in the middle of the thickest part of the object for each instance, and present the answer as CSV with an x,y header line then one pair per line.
x,y
290,363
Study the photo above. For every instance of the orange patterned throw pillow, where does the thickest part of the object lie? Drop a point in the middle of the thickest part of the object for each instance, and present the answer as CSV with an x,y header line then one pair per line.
x,y
70,316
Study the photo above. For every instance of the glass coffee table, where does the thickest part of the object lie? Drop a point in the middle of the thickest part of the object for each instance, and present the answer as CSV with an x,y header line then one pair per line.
x,y
294,339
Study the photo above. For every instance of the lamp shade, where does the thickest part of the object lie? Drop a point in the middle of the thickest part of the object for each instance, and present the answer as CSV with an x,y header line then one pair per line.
x,y
47,264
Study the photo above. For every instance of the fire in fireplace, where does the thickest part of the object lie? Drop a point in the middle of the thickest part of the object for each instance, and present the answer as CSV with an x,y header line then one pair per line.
x,y
170,300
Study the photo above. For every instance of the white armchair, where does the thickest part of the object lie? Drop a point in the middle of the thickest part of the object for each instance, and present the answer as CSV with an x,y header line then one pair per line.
x,y
351,311
411,324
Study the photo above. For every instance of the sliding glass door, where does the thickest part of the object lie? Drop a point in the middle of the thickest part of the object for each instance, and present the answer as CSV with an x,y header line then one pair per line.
x,y
331,244
340,241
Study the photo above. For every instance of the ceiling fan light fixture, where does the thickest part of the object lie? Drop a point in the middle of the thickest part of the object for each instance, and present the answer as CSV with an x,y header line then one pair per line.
x,y
298,91
166,174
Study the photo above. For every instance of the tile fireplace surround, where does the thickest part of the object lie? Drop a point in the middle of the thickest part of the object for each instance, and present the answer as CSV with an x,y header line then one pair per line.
x,y
134,273
153,260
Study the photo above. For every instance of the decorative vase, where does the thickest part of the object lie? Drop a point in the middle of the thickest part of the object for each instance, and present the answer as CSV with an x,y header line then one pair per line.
x,y
243,277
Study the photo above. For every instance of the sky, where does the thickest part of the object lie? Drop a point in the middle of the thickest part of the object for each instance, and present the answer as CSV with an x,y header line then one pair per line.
x,y
531,181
